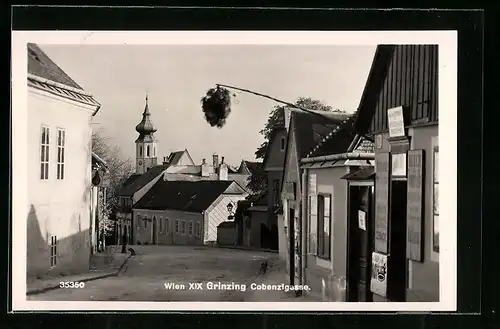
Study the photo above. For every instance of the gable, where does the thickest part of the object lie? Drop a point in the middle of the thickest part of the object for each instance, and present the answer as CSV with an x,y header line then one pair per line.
x,y
401,75
275,156
291,171
235,188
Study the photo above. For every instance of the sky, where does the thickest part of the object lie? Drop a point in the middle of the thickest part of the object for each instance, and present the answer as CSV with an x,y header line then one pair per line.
x,y
176,77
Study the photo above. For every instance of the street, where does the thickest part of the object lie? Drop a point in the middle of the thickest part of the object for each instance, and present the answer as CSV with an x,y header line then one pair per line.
x,y
164,273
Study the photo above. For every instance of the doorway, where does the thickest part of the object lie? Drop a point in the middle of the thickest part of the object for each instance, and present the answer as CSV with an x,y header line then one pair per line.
x,y
397,262
154,235
291,246
360,242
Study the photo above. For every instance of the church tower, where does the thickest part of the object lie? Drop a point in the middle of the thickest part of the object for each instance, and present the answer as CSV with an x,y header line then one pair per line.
x,y
146,148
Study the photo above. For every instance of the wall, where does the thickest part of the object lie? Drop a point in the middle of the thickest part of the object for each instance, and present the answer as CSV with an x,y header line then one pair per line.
x,y
281,237
168,235
217,213
276,156
58,207
227,236
424,276
326,277
271,176
254,232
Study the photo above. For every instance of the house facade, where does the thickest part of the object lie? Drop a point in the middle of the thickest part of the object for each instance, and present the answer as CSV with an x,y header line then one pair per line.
x,y
399,112
325,228
184,212
305,131
60,171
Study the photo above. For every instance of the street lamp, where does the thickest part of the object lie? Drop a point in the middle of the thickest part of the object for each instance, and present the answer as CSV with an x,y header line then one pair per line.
x,y
230,210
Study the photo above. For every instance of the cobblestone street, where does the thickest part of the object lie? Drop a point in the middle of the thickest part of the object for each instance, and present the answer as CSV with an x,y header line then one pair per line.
x,y
145,275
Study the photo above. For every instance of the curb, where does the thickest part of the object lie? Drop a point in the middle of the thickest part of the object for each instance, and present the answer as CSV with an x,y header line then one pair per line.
x,y
248,249
97,277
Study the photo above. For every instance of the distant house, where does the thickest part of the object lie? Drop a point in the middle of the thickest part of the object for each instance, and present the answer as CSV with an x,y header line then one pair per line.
x,y
184,212
244,171
59,223
179,165
306,130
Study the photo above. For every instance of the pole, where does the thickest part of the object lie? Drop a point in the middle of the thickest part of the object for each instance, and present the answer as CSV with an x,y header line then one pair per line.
x,y
274,99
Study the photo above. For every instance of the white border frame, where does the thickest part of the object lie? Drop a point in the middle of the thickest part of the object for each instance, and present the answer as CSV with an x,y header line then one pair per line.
x,y
447,41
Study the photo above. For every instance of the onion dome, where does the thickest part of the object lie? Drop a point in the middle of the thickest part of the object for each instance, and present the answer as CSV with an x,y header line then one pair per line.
x,y
146,127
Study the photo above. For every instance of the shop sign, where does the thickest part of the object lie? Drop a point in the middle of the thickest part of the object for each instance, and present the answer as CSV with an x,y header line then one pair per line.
x,y
414,211
378,283
396,122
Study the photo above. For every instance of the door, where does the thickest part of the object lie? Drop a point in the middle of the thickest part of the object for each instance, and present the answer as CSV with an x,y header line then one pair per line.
x,y
360,245
291,245
154,237
397,262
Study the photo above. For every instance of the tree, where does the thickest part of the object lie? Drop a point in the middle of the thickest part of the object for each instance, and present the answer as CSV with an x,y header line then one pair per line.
x,y
257,182
119,167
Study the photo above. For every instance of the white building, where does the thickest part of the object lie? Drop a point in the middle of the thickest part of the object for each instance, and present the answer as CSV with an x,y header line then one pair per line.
x,y
59,169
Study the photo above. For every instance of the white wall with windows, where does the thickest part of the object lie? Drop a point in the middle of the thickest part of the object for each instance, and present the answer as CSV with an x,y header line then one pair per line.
x,y
59,176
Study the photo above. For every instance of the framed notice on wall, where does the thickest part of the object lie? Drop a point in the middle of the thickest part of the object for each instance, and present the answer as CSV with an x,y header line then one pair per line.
x,y
378,282
396,122
415,208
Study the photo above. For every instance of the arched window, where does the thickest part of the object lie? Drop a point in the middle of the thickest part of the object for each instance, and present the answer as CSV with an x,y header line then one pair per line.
x,y
147,151
140,150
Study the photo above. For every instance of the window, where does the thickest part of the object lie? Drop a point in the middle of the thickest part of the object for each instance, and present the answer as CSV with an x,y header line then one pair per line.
x,y
324,227
53,251
282,143
177,226
145,222
183,227
61,140
147,151
140,150
276,192
44,153
167,222
197,229
435,192
161,224
190,227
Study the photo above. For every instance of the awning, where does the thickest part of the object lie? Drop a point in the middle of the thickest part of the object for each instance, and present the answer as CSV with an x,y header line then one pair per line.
x,y
366,173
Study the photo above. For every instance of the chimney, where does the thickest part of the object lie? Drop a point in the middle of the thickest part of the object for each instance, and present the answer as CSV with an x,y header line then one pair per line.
x,y
223,171
222,160
205,168
165,161
215,158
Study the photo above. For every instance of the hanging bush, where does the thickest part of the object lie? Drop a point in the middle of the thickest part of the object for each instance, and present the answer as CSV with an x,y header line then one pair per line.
x,y
216,105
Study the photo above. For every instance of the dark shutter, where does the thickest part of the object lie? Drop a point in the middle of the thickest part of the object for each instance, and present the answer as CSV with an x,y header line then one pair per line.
x,y
382,179
415,205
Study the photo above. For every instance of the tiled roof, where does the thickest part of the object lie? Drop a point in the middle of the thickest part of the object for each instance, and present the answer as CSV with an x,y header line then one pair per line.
x,y
139,182
129,180
310,129
41,65
174,157
182,195
253,166
336,141
364,146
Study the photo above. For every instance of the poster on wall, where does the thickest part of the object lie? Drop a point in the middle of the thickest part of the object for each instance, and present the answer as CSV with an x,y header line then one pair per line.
x,y
298,252
382,177
378,283
415,207
362,220
312,184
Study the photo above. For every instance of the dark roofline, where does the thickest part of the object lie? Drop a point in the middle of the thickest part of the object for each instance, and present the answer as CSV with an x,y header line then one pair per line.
x,y
374,83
